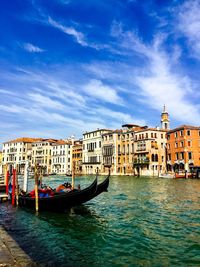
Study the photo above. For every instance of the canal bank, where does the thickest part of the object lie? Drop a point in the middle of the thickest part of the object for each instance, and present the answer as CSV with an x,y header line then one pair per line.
x,y
10,252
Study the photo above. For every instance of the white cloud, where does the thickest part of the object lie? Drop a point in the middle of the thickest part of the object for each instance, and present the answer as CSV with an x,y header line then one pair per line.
x,y
189,24
100,91
45,101
32,48
79,36
159,80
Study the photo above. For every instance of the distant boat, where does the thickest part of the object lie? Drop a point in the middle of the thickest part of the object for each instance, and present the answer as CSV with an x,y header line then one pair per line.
x,y
60,202
166,175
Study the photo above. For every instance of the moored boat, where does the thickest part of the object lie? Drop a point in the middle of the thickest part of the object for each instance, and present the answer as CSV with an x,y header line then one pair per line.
x,y
60,202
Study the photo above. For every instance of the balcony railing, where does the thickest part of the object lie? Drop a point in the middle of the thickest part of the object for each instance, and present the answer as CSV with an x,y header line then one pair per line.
x,y
141,161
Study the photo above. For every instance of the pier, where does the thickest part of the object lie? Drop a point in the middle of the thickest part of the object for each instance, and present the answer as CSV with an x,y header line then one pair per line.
x,y
11,254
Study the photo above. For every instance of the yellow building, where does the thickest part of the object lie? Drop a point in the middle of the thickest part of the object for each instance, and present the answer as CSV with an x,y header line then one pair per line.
x,y
150,152
118,150
77,153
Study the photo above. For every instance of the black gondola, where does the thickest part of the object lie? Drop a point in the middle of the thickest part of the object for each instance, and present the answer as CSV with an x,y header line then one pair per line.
x,y
60,202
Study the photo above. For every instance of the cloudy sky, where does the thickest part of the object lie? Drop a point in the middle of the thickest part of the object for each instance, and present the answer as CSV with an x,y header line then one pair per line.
x,y
69,66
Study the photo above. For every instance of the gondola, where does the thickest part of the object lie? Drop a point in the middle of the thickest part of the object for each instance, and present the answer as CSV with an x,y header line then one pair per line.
x,y
102,187
61,202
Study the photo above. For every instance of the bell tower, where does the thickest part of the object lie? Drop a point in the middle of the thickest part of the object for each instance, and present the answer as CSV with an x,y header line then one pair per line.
x,y
165,119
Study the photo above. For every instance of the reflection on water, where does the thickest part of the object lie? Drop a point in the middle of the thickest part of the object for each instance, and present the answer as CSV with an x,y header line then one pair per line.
x,y
139,222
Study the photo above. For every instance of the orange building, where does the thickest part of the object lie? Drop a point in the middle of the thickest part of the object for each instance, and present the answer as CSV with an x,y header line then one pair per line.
x,y
183,148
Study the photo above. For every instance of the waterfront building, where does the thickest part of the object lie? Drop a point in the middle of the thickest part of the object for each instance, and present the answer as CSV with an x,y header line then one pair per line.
x,y
42,154
17,152
183,148
92,151
1,162
77,154
150,152
118,150
61,157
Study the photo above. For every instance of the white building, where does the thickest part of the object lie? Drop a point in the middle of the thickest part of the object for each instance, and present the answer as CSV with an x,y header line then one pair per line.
x,y
92,151
17,152
42,154
62,157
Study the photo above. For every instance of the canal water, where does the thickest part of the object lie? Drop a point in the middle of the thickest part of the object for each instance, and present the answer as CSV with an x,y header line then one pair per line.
x,y
139,222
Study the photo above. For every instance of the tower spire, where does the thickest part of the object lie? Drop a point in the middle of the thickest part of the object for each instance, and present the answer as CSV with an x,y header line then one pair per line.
x,y
165,119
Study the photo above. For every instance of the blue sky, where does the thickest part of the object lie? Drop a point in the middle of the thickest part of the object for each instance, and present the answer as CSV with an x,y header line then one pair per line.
x,y
70,66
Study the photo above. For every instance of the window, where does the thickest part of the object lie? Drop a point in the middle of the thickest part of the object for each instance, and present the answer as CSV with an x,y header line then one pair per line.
x,y
162,136
189,143
100,144
177,156
176,144
181,144
146,135
188,132
189,155
182,155
181,133
175,134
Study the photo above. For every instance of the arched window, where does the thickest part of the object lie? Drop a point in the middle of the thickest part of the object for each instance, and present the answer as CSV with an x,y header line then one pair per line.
x,y
152,157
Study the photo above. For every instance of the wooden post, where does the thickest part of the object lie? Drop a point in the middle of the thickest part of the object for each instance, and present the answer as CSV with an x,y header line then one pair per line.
x,y
7,181
13,186
73,174
17,188
36,189
5,174
25,184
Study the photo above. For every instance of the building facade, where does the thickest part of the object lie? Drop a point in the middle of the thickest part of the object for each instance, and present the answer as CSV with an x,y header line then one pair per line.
x,y
1,163
183,148
92,151
77,155
17,152
61,157
42,154
150,152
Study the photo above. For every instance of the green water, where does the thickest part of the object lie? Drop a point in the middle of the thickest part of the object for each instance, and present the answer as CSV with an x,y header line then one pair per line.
x,y
139,222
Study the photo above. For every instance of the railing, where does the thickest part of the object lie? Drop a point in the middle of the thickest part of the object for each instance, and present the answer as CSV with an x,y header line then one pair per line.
x,y
141,161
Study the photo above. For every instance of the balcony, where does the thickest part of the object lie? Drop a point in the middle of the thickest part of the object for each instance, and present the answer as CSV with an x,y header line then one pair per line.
x,y
91,163
141,161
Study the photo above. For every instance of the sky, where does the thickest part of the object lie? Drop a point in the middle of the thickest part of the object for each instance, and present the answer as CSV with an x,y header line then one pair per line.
x,y
70,66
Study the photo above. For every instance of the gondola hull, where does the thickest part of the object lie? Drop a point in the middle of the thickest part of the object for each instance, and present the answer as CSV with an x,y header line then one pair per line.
x,y
62,201
102,187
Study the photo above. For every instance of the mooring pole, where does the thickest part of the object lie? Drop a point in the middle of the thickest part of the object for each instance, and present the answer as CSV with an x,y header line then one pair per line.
x,y
17,188
7,180
36,189
73,174
13,186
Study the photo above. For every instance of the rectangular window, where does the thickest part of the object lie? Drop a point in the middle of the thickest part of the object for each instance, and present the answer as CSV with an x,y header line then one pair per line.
x,y
181,144
189,155
189,143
